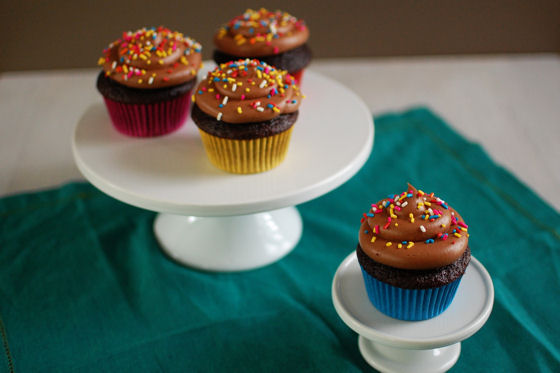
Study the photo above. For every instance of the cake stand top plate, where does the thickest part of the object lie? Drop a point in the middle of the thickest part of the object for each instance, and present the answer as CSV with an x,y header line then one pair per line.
x,y
331,141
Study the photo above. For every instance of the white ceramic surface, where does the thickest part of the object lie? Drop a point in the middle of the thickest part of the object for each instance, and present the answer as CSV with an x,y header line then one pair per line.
x,y
331,141
230,243
393,359
396,341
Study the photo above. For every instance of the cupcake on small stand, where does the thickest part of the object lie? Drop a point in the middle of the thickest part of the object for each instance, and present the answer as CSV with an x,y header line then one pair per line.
x,y
413,250
412,290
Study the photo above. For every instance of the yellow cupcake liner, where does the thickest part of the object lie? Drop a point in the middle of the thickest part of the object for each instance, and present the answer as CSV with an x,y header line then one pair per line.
x,y
246,156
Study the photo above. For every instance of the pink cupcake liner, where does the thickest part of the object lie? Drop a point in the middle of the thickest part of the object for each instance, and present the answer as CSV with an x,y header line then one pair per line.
x,y
149,120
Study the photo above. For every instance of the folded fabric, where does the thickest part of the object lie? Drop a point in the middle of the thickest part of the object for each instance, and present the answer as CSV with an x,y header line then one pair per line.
x,y
85,287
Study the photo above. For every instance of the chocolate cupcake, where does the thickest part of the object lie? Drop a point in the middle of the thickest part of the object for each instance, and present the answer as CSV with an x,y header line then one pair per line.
x,y
245,111
413,251
146,80
277,38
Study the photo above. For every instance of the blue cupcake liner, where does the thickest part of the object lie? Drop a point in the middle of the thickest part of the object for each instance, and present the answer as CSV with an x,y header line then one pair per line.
x,y
409,304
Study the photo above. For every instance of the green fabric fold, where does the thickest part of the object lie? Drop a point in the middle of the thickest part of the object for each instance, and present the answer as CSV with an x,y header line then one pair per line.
x,y
85,287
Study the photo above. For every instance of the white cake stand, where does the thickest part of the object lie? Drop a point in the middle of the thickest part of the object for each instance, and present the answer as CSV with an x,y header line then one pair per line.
x,y
214,220
392,345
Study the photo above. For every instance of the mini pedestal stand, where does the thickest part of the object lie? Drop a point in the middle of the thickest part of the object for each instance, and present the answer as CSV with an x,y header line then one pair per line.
x,y
392,345
210,219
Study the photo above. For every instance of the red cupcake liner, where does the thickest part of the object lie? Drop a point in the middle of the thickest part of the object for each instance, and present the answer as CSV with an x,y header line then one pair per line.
x,y
149,120
298,76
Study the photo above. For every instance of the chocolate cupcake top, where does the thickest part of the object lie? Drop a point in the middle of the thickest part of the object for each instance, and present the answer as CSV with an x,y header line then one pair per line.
x,y
258,33
247,91
413,230
152,58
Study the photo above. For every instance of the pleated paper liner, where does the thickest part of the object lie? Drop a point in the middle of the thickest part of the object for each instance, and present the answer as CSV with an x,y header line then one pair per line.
x,y
409,304
246,156
149,120
298,76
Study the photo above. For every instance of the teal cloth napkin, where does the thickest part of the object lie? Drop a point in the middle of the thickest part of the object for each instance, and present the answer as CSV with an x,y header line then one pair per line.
x,y
84,286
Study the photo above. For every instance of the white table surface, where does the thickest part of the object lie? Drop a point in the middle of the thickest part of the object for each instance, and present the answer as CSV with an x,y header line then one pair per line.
x,y
509,104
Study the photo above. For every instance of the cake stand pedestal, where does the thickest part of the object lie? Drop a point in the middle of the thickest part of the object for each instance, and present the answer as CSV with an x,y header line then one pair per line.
x,y
392,345
210,219
244,242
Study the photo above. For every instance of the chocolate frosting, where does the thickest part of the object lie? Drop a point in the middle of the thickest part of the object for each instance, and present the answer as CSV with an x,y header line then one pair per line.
x,y
413,230
152,58
243,131
247,91
258,33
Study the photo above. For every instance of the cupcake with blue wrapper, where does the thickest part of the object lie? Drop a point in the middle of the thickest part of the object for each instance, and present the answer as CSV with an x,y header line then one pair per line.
x,y
413,250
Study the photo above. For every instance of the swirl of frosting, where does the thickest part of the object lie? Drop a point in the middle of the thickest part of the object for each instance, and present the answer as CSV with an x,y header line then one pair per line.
x,y
258,33
247,91
413,230
152,58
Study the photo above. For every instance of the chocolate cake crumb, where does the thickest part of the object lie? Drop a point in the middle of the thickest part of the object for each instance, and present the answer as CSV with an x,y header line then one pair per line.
x,y
126,95
243,131
414,279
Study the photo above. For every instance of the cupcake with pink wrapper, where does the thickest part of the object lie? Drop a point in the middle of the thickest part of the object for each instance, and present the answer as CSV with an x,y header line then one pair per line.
x,y
146,80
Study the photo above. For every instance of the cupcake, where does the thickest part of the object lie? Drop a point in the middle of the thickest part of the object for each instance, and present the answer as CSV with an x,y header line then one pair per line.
x,y
413,251
146,80
277,38
245,111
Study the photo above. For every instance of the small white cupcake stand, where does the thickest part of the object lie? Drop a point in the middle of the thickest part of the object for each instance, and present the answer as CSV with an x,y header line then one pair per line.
x,y
392,345
210,219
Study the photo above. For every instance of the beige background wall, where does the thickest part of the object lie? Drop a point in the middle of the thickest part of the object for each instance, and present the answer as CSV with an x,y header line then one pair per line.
x,y
68,34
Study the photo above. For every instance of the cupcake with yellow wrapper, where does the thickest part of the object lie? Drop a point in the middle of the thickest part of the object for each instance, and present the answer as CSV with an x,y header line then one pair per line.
x,y
245,111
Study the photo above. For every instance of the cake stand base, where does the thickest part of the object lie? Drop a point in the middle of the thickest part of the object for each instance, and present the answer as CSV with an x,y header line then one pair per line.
x,y
401,360
233,243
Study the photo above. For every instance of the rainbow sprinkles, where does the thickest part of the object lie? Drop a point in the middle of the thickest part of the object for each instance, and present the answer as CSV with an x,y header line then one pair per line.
x,y
261,27
247,91
152,58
